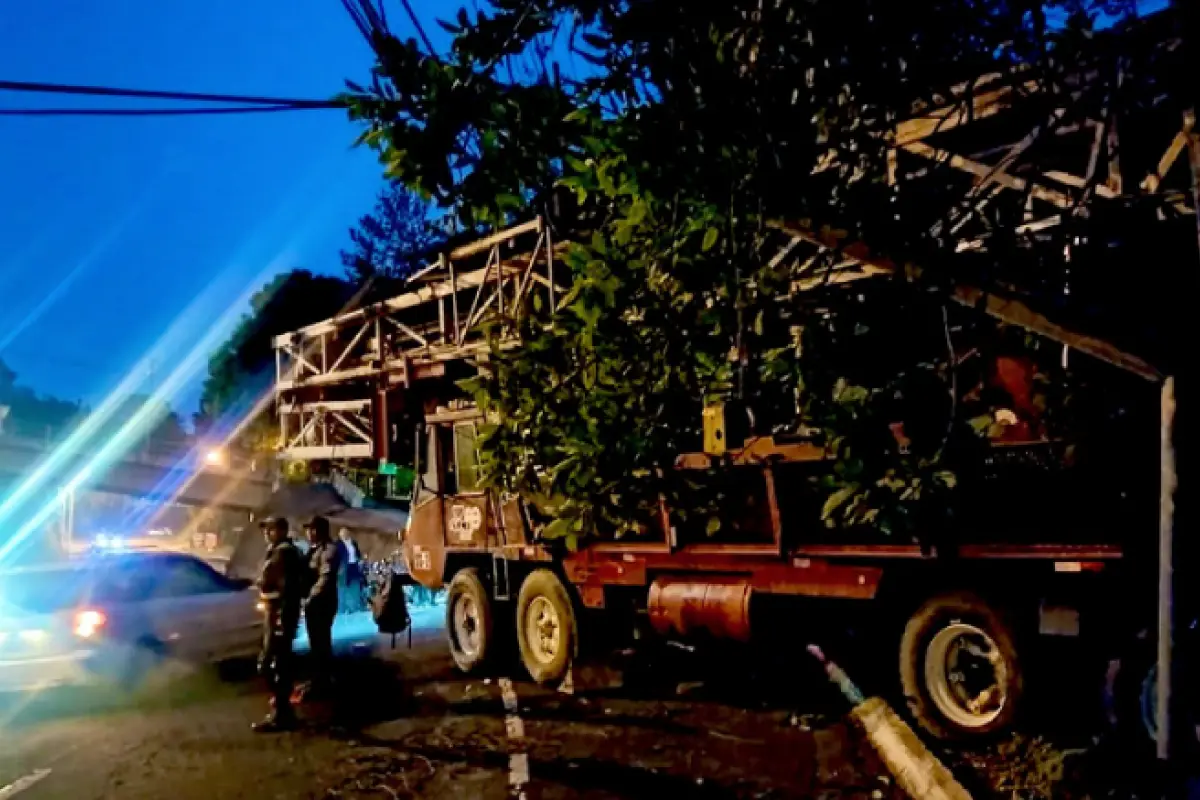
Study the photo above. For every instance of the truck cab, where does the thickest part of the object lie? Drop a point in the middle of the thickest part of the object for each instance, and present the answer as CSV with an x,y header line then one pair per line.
x,y
453,517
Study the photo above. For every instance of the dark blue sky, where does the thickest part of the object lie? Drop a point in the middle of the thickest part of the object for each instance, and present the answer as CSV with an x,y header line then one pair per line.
x,y
113,230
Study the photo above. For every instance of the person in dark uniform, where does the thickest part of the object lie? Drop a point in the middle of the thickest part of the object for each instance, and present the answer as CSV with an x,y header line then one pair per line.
x,y
321,605
281,585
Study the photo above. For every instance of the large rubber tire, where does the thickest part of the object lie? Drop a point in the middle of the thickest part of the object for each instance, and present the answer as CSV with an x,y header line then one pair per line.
x,y
1131,695
930,631
469,626
547,631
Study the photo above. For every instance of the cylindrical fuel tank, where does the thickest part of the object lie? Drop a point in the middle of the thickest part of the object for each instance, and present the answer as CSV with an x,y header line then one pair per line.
x,y
717,606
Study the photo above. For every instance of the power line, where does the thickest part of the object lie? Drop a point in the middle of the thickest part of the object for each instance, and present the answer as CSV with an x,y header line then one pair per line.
x,y
108,91
412,15
147,112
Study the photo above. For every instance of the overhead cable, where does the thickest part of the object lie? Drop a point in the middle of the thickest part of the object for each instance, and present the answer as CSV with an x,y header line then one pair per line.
x,y
147,112
199,97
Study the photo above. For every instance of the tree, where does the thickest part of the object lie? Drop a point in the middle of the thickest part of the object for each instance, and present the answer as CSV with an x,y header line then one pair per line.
x,y
241,371
393,241
30,414
696,129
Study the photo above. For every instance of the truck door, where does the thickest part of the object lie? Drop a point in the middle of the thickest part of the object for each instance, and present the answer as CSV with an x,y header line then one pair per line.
x,y
468,523
424,539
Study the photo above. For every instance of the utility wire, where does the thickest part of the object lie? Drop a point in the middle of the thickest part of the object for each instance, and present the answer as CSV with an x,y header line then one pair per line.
x,y
108,91
146,112
412,15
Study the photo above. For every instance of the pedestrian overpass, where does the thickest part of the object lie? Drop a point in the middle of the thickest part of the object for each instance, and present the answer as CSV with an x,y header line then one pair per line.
x,y
181,481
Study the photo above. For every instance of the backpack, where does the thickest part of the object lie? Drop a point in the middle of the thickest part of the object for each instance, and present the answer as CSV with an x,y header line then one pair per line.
x,y
389,606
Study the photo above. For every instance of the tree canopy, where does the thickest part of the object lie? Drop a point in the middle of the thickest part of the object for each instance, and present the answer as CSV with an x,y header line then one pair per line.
x,y
29,413
665,163
394,240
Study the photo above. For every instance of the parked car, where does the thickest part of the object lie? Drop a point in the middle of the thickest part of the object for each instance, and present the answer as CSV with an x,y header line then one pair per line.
x,y
117,616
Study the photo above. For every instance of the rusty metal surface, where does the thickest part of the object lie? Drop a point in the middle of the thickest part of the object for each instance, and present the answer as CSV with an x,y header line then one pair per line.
x,y
719,606
467,521
511,520
592,596
764,571
424,545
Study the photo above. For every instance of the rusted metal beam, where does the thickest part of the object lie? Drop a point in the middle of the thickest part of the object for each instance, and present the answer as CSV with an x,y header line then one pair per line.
x,y
983,171
496,238
1008,310
962,111
1015,312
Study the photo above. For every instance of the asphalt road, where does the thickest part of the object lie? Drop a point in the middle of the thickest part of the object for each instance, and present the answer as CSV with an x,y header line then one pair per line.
x,y
407,725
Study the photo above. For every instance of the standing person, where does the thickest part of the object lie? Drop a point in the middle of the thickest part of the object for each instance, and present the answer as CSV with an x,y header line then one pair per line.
x,y
281,585
321,605
353,578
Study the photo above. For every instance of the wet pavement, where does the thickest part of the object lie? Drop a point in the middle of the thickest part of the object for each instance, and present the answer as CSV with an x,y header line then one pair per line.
x,y
406,724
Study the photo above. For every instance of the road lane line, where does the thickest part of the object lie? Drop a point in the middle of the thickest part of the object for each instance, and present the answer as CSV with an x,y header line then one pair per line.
x,y
514,729
21,784
509,695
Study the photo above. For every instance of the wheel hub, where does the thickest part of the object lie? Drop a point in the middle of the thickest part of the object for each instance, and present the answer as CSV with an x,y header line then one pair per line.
x,y
544,630
466,625
966,675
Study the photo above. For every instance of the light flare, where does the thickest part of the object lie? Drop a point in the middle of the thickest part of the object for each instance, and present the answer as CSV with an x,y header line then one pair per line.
x,y
194,325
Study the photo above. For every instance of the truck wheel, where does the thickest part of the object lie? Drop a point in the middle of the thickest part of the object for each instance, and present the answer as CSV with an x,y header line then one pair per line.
x,y
546,629
1131,693
469,620
959,668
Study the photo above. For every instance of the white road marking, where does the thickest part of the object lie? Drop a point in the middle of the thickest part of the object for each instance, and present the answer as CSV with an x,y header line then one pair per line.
x,y
509,695
514,728
21,784
518,770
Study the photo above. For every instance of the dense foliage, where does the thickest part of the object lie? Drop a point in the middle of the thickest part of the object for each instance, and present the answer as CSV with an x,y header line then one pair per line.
x,y
663,138
28,413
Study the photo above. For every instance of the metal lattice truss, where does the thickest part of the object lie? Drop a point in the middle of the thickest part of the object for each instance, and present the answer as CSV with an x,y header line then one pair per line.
x,y
1057,145
1055,149
329,374
822,260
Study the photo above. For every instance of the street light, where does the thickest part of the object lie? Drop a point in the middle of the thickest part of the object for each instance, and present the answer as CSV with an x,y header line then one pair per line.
x,y
215,457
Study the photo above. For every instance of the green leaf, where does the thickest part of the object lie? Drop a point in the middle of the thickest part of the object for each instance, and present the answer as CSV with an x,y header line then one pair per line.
x,y
557,529
714,525
710,238
505,201
946,478
637,212
837,499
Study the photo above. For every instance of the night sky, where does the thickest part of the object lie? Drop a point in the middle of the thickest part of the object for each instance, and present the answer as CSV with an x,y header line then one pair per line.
x,y
116,230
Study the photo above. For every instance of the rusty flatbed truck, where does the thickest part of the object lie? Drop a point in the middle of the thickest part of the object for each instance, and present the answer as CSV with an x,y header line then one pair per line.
x,y
961,620
958,625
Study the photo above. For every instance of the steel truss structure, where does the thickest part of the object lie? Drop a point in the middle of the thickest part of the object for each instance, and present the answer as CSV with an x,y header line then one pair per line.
x,y
332,377
1060,147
